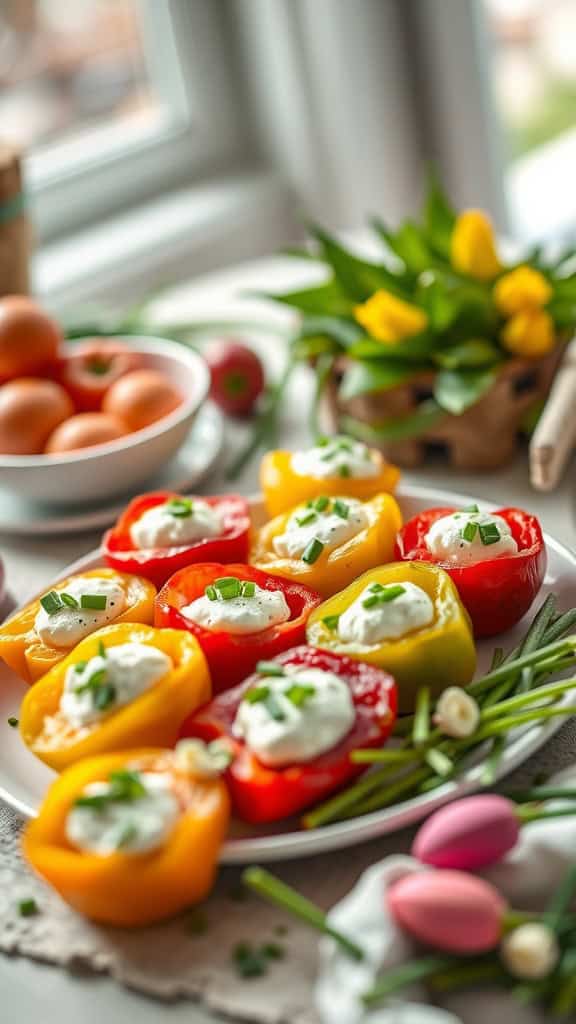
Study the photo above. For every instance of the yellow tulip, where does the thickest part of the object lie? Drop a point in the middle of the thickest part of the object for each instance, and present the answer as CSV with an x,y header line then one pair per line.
x,y
520,290
529,334
473,249
390,319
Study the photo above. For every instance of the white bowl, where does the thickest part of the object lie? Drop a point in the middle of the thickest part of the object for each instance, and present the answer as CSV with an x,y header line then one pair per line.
x,y
113,469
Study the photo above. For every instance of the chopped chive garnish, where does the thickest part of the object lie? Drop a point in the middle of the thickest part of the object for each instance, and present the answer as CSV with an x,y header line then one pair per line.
x,y
321,442
256,694
263,695
80,666
181,508
391,593
28,908
375,588
321,503
471,508
228,587
211,593
51,602
248,588
269,668
224,581
273,708
104,696
68,600
128,834
124,787
299,693
489,533
469,531
341,509
95,601
344,470
250,962
101,649
13,722
312,551
304,520
331,621
372,601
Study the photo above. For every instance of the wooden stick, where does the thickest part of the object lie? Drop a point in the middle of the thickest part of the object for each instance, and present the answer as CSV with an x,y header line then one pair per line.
x,y
555,436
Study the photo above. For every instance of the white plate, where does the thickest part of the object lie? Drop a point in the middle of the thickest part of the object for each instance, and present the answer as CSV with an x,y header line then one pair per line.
x,y
23,779
184,471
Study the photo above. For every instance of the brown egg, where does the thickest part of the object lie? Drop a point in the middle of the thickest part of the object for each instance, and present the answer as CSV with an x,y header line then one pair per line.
x,y
83,431
141,397
30,409
29,338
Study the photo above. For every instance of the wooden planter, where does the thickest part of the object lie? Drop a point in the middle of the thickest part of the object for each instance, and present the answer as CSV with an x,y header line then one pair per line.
x,y
482,438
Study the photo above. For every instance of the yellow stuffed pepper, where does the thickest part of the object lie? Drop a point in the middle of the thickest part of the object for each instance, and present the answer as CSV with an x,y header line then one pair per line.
x,y
332,466
405,617
124,686
42,633
130,839
328,541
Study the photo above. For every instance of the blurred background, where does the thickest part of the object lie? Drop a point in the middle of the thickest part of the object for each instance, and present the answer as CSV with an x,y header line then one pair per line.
x,y
167,137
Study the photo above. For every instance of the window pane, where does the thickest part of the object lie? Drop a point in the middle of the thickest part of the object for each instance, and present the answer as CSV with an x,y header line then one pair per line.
x,y
534,82
69,66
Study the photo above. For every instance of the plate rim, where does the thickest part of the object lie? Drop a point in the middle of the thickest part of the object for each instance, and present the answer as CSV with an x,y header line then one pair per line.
x,y
294,844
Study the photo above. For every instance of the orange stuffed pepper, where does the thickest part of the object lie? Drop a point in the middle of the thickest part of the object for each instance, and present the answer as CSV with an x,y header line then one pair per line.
x,y
333,466
130,839
124,686
328,541
43,632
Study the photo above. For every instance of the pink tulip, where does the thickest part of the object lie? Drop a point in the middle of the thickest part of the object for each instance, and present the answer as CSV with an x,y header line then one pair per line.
x,y
448,910
468,834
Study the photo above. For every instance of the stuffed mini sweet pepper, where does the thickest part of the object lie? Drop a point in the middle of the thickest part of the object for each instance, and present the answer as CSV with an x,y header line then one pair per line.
x,y
122,687
237,614
333,466
41,634
132,838
328,541
158,534
496,559
292,726
405,617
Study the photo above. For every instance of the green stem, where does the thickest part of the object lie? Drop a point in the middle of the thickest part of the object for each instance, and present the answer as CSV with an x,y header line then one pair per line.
x,y
439,762
514,721
331,809
463,975
399,977
527,815
561,900
370,756
282,895
388,795
498,675
522,699
493,760
324,366
421,727
539,793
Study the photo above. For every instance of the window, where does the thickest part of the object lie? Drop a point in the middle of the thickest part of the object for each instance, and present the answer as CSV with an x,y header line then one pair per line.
x,y
114,101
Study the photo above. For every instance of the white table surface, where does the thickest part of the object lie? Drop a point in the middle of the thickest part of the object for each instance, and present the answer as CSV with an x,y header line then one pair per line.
x,y
35,992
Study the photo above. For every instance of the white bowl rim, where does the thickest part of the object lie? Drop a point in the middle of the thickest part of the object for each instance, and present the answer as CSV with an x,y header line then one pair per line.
x,y
145,344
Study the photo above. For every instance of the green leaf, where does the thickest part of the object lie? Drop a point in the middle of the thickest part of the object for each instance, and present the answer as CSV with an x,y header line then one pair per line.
x,y
364,377
408,244
345,332
327,298
563,312
358,278
439,216
417,349
441,306
470,354
455,391
400,428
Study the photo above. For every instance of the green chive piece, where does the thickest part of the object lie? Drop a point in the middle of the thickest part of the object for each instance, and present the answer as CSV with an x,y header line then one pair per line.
x,y
341,509
228,587
256,694
248,588
371,602
322,442
269,668
128,834
375,588
101,649
309,517
331,621
80,666
471,508
321,503
211,593
399,977
51,602
299,693
13,722
68,600
312,551
250,962
104,696
489,533
392,592
469,531
561,900
95,601
181,508
124,787
344,471
273,708
28,908
421,727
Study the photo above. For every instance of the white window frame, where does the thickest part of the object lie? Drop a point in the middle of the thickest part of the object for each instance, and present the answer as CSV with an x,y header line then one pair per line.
x,y
77,182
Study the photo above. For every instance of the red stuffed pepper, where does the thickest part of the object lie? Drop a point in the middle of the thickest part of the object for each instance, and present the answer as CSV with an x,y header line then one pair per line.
x,y
497,560
307,701
160,533
238,614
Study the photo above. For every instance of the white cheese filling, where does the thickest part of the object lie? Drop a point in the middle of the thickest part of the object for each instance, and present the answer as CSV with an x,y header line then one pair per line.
x,y
308,524
130,826
174,524
470,536
373,618
67,626
339,456
239,615
110,680
300,716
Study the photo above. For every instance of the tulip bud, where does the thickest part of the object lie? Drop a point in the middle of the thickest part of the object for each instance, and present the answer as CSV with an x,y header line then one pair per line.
x,y
448,910
530,334
520,290
473,249
204,760
390,319
530,951
457,713
468,834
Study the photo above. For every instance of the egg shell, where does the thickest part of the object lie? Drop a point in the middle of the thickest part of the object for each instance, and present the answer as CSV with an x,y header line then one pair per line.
x,y
448,910
468,834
